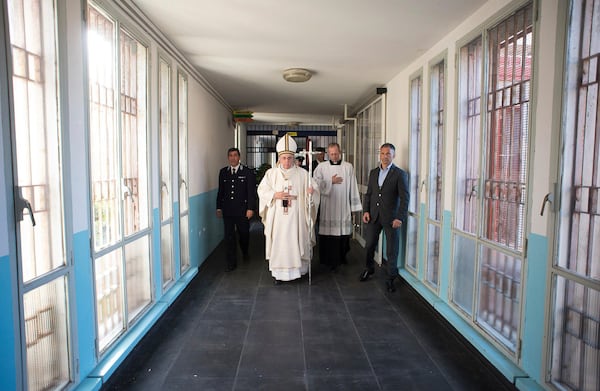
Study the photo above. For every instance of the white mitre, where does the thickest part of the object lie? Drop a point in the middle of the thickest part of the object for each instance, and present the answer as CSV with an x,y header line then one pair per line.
x,y
286,144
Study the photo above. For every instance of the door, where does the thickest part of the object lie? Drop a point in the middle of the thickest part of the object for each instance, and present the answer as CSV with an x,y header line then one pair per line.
x,y
43,268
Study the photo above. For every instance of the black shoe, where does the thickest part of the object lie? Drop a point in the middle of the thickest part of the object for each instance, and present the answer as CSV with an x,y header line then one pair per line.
x,y
246,256
365,274
230,268
390,286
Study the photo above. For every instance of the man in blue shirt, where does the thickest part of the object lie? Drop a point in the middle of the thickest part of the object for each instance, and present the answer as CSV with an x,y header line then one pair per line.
x,y
385,207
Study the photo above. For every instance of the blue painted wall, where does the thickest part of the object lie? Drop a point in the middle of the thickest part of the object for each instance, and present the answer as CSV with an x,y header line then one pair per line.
x,y
8,332
206,230
84,302
535,302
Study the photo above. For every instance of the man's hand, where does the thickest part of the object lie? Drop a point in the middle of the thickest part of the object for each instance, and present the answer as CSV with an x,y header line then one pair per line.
x,y
219,213
396,223
249,214
335,180
366,217
283,195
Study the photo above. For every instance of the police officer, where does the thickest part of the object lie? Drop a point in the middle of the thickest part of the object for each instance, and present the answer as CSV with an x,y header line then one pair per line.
x,y
236,202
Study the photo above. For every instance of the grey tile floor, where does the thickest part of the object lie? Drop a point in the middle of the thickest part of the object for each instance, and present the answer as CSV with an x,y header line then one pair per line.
x,y
238,331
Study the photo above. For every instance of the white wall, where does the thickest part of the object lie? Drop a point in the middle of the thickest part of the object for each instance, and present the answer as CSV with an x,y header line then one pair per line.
x,y
211,133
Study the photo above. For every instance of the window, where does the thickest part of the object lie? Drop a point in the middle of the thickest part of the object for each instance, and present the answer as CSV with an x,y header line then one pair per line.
x,y
491,171
119,175
468,172
166,187
510,61
38,177
575,341
436,160
416,92
184,207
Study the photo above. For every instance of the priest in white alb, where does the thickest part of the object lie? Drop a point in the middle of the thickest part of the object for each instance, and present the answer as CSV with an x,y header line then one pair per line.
x,y
288,203
339,198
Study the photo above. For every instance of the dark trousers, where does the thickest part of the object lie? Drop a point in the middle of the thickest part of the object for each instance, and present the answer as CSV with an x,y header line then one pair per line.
x,y
243,228
392,237
333,249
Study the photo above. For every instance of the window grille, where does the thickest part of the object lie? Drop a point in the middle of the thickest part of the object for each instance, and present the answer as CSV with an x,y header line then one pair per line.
x,y
416,92
119,175
182,114
509,83
500,263
469,138
575,363
468,155
166,193
37,160
434,188
436,142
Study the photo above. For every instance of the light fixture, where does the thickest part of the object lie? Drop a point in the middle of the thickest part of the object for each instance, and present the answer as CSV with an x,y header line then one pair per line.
x,y
297,75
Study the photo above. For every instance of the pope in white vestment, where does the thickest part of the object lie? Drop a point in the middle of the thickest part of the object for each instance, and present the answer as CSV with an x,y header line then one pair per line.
x,y
288,202
339,198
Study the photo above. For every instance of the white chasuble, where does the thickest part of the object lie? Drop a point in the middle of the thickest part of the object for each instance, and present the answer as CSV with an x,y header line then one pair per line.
x,y
289,232
339,200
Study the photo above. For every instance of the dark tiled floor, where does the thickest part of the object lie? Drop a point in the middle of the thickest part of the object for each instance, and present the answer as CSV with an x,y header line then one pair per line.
x,y
238,331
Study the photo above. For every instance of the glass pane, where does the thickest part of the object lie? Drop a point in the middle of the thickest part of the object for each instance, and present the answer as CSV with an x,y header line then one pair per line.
x,y
463,279
412,252
469,138
500,295
184,242
105,176
133,134
165,141
165,253
46,335
415,143
37,137
576,337
433,253
511,61
183,145
436,147
109,297
580,196
137,267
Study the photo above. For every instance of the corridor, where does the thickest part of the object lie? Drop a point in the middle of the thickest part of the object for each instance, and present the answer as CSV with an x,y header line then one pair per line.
x,y
238,331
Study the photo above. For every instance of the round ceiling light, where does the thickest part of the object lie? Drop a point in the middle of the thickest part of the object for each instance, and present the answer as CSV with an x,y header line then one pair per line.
x,y
297,75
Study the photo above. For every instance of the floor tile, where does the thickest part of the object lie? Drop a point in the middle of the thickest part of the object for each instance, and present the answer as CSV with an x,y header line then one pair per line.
x,y
338,359
342,383
267,360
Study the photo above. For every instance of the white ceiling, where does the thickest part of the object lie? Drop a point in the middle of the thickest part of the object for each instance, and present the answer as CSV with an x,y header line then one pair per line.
x,y
352,46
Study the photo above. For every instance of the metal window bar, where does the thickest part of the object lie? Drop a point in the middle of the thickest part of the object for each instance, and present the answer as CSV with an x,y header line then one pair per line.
x,y
468,168
508,118
129,133
436,143
499,300
416,91
576,344
103,135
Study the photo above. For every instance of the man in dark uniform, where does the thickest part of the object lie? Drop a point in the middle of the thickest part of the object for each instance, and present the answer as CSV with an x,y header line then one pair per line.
x,y
236,203
385,207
